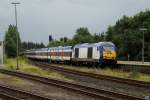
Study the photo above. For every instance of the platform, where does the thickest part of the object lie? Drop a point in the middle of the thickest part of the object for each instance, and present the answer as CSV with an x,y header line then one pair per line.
x,y
134,63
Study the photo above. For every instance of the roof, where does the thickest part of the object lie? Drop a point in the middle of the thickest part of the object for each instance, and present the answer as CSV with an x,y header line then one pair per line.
x,y
93,44
51,48
60,47
40,49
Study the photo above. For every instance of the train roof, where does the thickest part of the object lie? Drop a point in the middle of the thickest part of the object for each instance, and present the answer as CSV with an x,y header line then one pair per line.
x,y
50,48
60,47
39,49
93,44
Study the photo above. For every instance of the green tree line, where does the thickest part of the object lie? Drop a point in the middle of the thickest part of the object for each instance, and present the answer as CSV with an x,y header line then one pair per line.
x,y
82,35
32,45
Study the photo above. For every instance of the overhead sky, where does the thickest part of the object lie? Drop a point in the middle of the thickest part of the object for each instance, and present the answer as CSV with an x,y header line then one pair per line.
x,y
37,19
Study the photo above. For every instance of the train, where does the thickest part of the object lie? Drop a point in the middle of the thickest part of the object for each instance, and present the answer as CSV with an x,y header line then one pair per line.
x,y
87,53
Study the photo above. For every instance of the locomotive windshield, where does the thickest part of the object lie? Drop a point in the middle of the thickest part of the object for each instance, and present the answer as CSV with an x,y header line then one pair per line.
x,y
109,48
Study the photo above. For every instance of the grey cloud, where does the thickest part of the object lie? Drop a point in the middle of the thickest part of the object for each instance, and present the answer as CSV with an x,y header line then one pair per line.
x,y
39,18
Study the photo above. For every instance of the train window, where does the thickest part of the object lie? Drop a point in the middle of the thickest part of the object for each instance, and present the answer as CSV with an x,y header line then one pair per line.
x,y
89,53
76,52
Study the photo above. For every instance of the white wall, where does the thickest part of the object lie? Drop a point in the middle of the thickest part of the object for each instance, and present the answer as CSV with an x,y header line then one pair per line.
x,y
1,52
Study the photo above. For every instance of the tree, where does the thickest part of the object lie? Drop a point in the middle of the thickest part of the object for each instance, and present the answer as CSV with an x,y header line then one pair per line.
x,y
99,37
128,38
82,36
31,45
11,41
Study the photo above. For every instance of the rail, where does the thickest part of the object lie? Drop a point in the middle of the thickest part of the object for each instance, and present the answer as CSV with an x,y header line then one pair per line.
x,y
96,93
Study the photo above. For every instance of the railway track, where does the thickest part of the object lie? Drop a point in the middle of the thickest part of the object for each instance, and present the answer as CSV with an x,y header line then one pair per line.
x,y
9,93
93,92
96,76
4,96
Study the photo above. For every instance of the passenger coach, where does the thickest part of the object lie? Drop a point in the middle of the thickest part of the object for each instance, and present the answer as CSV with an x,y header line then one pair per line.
x,y
60,54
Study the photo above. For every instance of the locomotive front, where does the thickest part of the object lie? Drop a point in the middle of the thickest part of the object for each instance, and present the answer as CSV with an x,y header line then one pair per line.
x,y
108,53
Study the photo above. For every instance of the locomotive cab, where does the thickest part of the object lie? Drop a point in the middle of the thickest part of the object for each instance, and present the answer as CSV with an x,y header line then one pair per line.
x,y
108,54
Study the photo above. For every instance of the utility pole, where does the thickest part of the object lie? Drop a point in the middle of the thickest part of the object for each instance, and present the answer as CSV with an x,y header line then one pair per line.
x,y
15,4
143,29
143,49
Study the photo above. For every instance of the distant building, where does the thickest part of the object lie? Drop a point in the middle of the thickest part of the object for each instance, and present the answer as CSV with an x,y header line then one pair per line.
x,y
1,52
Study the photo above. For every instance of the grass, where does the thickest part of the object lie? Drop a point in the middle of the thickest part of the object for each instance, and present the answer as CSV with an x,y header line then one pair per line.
x,y
24,66
112,72
28,68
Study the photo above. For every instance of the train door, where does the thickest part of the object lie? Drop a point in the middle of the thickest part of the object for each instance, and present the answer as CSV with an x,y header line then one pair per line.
x,y
76,52
90,52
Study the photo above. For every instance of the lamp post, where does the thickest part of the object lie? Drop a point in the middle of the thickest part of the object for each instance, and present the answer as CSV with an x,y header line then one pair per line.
x,y
15,4
143,29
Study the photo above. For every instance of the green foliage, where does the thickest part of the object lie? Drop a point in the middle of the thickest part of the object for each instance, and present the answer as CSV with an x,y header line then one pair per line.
x,y
11,41
99,37
31,45
127,36
55,43
82,35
